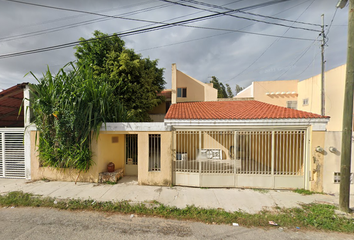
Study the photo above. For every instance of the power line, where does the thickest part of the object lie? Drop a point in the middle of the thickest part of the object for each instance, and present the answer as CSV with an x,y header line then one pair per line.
x,y
245,18
110,16
215,35
144,30
298,59
249,13
269,46
56,29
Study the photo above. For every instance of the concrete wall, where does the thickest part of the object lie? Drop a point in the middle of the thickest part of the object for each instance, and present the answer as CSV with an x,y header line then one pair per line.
x,y
163,177
105,149
334,96
332,162
38,173
279,92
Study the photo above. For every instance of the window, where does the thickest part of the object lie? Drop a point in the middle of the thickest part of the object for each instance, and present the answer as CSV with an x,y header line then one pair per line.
x,y
154,152
291,104
305,102
182,92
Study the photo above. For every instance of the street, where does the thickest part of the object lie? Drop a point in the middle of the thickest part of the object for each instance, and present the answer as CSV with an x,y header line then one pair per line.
x,y
45,223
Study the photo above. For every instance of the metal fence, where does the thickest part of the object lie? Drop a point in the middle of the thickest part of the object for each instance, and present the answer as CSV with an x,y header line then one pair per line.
x,y
239,152
12,153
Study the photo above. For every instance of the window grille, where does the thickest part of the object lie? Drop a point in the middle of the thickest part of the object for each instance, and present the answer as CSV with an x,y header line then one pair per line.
x,y
154,152
131,149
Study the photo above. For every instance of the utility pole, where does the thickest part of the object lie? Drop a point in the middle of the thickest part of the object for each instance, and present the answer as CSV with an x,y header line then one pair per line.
x,y
344,190
323,106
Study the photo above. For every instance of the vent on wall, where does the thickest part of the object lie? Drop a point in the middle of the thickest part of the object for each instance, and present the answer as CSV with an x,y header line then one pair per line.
x,y
336,177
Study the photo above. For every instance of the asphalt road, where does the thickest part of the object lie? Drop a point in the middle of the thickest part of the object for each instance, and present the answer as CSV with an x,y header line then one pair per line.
x,y
44,223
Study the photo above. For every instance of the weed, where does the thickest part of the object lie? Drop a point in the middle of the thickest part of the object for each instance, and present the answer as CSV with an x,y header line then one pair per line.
x,y
305,192
110,182
260,190
310,216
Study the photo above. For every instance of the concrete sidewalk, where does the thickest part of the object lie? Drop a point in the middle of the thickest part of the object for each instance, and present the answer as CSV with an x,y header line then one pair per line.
x,y
232,199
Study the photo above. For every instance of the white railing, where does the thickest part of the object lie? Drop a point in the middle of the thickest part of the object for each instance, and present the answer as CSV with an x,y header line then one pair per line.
x,y
240,152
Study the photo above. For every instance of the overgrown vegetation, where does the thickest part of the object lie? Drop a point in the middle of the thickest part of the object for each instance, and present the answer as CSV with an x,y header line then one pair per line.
x,y
312,216
305,192
68,111
136,80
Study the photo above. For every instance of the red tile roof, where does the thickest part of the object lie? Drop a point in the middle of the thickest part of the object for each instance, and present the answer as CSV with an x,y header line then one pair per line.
x,y
10,102
236,110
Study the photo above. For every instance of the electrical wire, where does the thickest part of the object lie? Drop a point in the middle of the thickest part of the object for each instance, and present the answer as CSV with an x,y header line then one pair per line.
x,y
270,45
73,25
129,33
216,35
249,13
245,18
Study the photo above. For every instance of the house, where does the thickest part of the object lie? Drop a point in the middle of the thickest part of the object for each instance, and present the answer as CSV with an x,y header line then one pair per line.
x,y
307,97
12,122
206,143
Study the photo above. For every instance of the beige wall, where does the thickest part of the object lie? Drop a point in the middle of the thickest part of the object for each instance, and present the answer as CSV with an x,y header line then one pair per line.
x,y
334,96
163,177
38,173
246,93
272,92
332,162
196,90
282,92
104,151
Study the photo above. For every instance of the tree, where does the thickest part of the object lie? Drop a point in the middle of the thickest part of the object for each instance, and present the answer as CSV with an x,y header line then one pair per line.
x,y
69,109
238,89
136,80
219,86
229,91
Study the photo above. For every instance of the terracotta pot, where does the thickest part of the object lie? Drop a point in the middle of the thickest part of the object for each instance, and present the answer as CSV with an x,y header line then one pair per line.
x,y
110,167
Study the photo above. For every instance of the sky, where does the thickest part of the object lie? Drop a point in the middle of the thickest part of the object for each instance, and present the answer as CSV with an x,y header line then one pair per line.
x,y
283,43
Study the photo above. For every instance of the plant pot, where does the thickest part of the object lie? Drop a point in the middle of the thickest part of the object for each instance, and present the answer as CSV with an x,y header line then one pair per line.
x,y
110,167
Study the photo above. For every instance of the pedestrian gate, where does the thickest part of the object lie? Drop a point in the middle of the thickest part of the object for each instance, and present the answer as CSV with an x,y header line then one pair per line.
x,y
12,153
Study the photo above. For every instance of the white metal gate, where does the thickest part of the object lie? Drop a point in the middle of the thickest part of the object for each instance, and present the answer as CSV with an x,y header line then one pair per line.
x,y
240,158
12,153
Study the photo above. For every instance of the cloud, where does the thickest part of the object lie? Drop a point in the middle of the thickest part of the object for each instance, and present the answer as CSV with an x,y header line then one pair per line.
x,y
201,53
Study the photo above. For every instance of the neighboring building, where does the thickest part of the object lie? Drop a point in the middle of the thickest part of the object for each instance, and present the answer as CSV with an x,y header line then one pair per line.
x,y
12,122
184,89
282,93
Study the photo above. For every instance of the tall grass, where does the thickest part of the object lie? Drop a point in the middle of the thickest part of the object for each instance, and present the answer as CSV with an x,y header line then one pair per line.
x,y
68,109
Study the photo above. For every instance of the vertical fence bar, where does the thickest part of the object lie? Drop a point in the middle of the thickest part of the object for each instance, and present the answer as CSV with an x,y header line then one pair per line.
x,y
272,154
3,154
200,148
